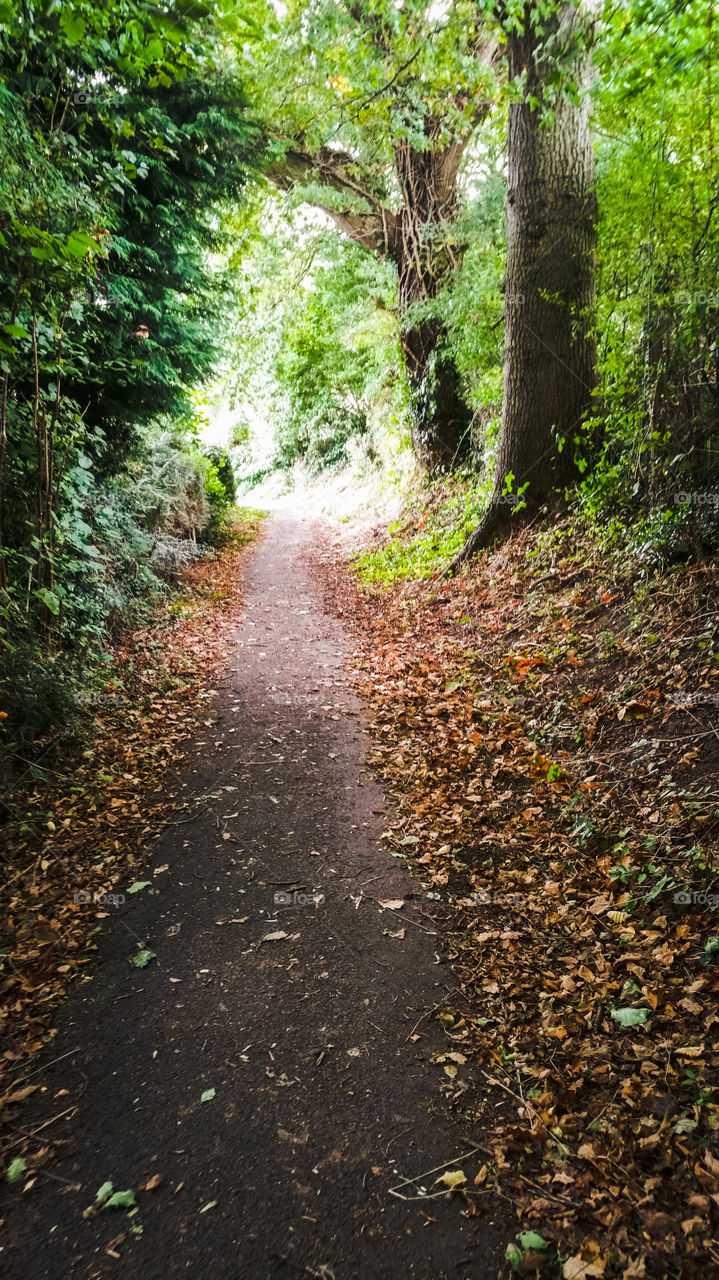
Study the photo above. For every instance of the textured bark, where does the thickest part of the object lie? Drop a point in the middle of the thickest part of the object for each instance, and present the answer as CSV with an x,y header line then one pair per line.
x,y
440,415
549,353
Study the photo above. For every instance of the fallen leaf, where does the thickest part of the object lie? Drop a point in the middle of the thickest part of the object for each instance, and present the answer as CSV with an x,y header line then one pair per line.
x,y
138,885
577,1269
16,1169
629,1017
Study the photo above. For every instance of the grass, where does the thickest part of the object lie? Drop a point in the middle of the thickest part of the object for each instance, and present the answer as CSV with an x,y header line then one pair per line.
x,y
424,544
240,525
248,515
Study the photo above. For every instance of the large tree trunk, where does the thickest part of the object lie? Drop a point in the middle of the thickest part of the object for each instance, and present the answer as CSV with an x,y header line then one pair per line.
x,y
426,260
549,353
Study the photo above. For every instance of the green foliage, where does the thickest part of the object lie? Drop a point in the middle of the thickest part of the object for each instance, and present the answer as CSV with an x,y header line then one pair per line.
x,y
655,432
372,74
221,492
125,138
316,342
116,544
427,551
472,305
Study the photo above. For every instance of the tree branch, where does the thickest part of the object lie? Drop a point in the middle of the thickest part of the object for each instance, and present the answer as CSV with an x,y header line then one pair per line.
x,y
374,229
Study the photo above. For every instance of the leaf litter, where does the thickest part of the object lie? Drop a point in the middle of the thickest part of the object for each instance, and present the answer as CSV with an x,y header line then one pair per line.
x,y
545,725
107,798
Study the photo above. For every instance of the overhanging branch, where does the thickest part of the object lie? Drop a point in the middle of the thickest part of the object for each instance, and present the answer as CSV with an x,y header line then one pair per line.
x,y
374,228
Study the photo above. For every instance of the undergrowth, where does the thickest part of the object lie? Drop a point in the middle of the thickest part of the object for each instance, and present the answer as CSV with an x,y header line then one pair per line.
x,y
444,512
422,544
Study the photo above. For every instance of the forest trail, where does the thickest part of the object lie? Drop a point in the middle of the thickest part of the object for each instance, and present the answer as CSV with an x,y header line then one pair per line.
x,y
322,1102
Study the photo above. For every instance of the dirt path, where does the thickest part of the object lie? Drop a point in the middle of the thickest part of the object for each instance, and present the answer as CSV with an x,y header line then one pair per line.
x,y
322,1101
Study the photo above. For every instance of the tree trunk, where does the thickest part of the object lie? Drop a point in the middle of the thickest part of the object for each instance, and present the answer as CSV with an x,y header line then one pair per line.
x,y
426,259
549,353
440,416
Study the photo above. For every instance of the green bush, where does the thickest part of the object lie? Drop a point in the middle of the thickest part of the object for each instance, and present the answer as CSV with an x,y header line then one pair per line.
x,y
221,491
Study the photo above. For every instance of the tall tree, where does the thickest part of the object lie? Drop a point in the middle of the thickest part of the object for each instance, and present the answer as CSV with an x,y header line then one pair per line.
x,y
395,97
549,354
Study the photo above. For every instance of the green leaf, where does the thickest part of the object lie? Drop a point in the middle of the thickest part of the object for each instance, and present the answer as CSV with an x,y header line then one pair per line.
x,y
153,51
532,1240
685,1125
78,245
16,1169
514,1257
143,958
138,885
629,1017
121,1200
73,25
104,1192
49,599
711,948
208,1095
